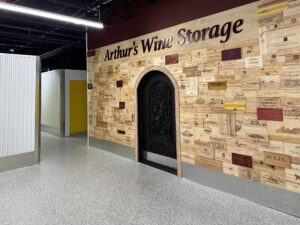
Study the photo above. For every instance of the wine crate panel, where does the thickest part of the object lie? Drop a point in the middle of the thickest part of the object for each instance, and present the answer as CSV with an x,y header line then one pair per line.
x,y
277,159
238,90
209,163
242,160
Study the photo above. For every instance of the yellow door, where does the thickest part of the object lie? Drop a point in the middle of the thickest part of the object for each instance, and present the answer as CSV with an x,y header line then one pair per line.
x,y
78,106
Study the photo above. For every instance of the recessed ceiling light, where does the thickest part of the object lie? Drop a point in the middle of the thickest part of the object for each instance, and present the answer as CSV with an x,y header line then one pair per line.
x,y
49,15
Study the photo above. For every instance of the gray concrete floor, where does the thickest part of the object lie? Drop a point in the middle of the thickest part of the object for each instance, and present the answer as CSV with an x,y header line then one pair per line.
x,y
78,185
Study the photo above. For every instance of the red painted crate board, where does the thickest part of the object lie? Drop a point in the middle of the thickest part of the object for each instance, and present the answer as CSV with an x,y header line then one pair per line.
x,y
270,114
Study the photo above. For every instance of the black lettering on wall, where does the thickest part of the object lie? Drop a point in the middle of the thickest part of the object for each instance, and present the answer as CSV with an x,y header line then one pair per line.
x,y
196,36
204,32
147,44
185,36
214,32
135,48
226,32
107,56
237,25
188,36
181,37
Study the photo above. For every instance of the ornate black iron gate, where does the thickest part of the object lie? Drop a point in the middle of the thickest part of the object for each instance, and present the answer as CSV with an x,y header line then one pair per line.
x,y
157,124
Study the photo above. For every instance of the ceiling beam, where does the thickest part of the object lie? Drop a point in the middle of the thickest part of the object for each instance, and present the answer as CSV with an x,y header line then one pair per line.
x,y
48,40
59,51
35,22
22,51
68,4
14,46
9,41
91,9
28,29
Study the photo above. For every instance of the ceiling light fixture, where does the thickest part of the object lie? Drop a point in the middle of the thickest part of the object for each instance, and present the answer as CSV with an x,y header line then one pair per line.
x,y
49,15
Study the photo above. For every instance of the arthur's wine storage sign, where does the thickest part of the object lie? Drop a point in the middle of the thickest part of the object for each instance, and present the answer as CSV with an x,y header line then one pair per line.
x,y
232,26
185,36
238,76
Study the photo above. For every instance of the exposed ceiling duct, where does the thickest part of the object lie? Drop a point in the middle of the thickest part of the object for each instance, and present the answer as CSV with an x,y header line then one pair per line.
x,y
25,34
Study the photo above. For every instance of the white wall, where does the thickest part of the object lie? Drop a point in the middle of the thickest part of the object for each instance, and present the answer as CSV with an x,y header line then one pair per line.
x,y
18,84
51,98
71,75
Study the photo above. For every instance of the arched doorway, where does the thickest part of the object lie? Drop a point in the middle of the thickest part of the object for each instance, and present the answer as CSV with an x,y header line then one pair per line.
x,y
157,122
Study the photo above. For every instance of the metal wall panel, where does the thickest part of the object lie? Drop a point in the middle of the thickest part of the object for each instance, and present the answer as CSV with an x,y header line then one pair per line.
x,y
51,98
18,83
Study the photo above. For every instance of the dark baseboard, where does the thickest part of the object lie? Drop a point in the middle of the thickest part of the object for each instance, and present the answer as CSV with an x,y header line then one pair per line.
x,y
271,197
111,147
18,161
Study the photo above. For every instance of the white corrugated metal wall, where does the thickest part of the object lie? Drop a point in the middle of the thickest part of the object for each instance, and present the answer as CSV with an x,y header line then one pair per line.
x,y
51,98
18,75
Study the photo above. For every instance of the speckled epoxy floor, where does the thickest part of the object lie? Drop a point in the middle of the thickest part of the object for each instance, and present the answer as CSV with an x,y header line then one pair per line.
x,y
76,185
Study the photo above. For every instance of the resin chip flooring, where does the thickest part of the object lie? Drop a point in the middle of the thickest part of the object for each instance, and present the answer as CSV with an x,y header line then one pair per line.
x,y
77,185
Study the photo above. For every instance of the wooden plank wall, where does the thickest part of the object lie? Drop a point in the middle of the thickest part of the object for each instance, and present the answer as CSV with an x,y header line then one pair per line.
x,y
239,101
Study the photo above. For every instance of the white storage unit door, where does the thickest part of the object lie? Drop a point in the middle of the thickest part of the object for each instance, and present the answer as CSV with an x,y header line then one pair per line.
x,y
18,84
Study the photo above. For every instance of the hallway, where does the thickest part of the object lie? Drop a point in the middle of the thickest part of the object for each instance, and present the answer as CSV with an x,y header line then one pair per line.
x,y
76,185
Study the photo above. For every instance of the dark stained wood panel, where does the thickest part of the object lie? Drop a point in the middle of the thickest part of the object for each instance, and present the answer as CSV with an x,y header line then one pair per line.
x,y
171,59
242,160
119,83
121,132
231,54
121,105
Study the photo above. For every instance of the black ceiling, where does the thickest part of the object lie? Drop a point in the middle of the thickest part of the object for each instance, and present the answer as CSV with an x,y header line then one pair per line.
x,y
36,36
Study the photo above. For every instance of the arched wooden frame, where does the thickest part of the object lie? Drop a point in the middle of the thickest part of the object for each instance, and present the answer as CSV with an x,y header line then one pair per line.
x,y
176,88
